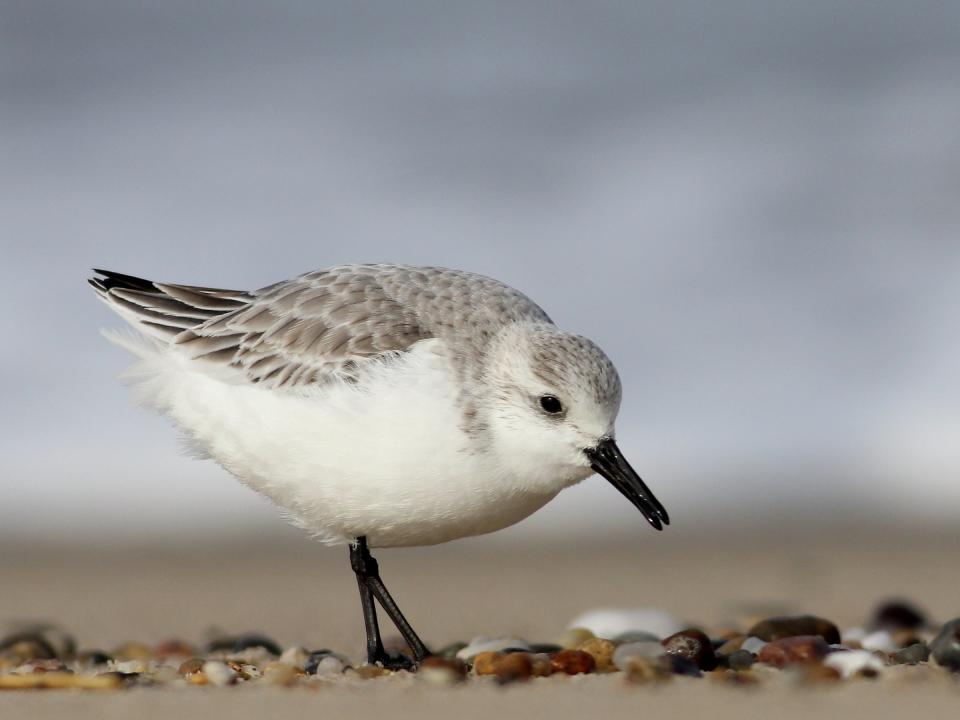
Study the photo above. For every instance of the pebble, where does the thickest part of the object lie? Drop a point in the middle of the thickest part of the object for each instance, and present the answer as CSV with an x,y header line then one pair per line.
x,y
439,670
325,662
573,637
945,647
280,673
794,650
881,640
572,662
776,628
130,667
132,651
513,667
330,665
92,658
602,652
753,645
542,664
849,663
741,660
296,656
484,663
610,623
484,644
625,655
898,615
680,665
912,655
370,672
191,666
694,645
219,673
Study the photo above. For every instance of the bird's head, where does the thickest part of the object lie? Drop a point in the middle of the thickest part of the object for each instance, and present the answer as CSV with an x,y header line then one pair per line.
x,y
554,398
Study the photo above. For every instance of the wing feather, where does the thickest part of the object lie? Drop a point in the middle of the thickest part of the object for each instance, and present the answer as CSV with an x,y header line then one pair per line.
x,y
321,325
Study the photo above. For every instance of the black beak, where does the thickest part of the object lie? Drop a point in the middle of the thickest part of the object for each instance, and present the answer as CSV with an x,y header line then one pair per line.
x,y
607,460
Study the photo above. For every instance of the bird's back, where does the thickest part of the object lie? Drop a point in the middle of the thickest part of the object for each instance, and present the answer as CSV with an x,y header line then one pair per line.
x,y
328,322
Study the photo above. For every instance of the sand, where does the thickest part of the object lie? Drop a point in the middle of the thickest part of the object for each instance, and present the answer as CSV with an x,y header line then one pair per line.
x,y
300,593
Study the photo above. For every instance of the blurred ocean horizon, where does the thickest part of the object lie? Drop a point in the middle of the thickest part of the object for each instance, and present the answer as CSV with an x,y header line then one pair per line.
x,y
751,206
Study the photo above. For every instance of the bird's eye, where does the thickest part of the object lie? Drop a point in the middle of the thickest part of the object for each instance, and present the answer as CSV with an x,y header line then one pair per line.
x,y
550,404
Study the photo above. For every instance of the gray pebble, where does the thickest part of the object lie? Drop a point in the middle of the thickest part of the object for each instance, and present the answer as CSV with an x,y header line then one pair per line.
x,y
945,647
741,660
916,653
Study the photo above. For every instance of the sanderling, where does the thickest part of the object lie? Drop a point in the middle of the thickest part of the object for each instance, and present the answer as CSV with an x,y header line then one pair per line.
x,y
380,405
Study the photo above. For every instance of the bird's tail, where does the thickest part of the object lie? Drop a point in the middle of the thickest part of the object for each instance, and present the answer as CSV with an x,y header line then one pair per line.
x,y
161,311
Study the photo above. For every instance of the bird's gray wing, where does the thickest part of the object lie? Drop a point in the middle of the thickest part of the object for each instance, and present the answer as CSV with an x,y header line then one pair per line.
x,y
307,330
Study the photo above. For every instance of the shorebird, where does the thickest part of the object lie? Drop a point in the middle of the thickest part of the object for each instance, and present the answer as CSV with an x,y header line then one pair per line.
x,y
380,405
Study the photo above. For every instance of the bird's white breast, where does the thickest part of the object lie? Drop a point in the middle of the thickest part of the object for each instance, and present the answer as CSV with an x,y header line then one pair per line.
x,y
387,458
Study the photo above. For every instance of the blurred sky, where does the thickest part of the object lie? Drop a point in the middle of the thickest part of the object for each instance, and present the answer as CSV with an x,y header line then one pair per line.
x,y
754,207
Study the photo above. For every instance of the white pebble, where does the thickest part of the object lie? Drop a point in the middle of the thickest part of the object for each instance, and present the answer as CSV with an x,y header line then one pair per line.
x,y
879,640
485,644
134,666
753,644
295,656
610,622
330,665
850,662
218,673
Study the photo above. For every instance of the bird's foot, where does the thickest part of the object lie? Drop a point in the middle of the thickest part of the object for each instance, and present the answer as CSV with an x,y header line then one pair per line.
x,y
393,661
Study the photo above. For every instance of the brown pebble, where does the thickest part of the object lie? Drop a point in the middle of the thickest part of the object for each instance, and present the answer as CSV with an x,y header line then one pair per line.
x,y
132,651
694,645
573,662
280,673
191,666
369,672
513,666
485,663
794,650
776,628
541,664
602,652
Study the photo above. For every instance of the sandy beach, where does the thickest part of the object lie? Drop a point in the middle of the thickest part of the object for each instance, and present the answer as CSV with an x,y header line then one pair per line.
x,y
299,593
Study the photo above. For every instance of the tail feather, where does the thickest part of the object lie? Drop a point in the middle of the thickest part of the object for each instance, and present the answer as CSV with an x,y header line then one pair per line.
x,y
162,311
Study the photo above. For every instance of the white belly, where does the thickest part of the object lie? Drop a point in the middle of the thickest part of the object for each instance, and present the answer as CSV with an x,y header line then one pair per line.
x,y
388,460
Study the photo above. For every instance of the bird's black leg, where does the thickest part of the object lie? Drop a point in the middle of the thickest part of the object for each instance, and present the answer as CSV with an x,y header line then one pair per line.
x,y
371,586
